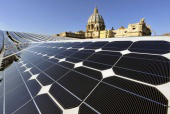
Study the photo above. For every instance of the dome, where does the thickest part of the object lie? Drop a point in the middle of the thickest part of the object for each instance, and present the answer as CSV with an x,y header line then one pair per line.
x,y
96,17
97,25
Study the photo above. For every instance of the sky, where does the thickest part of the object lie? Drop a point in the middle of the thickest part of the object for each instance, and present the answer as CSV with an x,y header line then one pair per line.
x,y
56,16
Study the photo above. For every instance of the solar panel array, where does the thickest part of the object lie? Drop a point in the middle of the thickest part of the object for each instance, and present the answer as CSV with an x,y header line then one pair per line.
x,y
39,37
109,76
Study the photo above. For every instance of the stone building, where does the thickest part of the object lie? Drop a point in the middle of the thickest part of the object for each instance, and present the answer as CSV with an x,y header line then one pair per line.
x,y
94,25
137,29
96,28
82,33
79,34
166,34
106,34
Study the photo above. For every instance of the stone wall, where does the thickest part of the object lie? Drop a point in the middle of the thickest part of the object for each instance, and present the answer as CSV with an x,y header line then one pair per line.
x,y
137,29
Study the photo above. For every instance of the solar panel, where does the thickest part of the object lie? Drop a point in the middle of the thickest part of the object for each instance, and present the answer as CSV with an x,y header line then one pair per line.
x,y
108,76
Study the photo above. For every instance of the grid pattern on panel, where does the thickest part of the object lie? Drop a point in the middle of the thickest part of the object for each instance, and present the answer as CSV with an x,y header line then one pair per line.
x,y
87,77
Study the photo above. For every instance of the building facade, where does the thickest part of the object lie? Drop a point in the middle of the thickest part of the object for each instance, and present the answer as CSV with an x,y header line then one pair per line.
x,y
96,28
137,29
166,34
79,34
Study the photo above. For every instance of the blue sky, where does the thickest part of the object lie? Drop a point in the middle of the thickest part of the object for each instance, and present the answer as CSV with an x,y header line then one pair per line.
x,y
55,16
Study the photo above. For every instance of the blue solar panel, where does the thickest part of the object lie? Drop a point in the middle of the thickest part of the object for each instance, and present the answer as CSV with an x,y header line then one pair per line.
x,y
108,76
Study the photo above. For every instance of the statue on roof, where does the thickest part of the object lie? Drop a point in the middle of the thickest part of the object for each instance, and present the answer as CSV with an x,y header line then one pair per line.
x,y
142,21
122,27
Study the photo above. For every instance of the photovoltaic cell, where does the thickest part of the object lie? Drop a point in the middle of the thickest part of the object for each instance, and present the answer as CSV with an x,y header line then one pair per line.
x,y
44,79
82,45
79,56
102,60
44,65
102,101
68,52
11,75
67,45
155,47
78,84
84,109
1,105
9,69
13,83
96,45
35,70
66,64
29,108
66,99
21,69
89,72
56,51
33,86
56,71
26,76
1,89
54,60
37,61
52,108
117,45
19,96
147,68
137,89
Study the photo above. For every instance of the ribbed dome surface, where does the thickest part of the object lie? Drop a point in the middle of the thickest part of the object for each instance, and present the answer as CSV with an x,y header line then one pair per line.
x,y
95,17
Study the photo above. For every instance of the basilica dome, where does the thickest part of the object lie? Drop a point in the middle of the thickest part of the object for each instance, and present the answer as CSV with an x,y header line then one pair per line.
x,y
95,17
95,25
